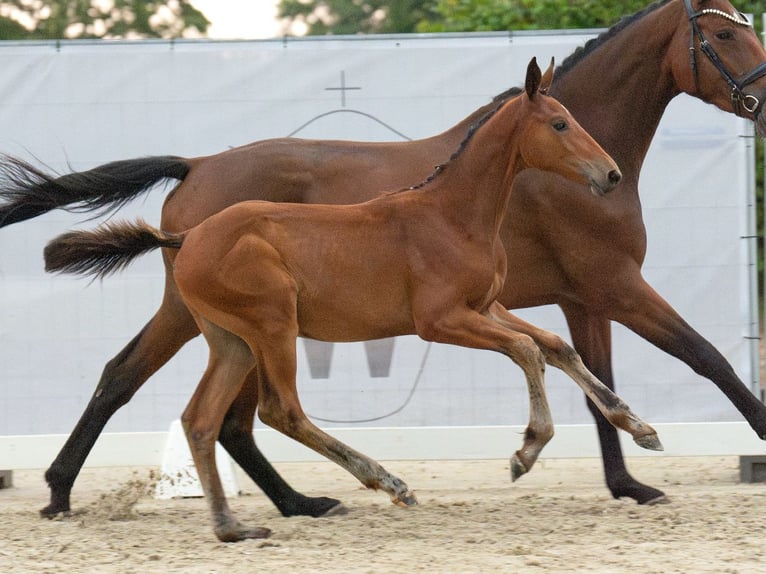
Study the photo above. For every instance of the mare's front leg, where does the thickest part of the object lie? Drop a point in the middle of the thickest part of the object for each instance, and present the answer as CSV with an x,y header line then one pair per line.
x,y
650,316
591,336
237,438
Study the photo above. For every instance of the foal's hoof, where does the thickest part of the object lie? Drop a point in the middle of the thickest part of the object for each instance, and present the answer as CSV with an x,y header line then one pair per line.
x,y
238,532
649,442
406,499
518,469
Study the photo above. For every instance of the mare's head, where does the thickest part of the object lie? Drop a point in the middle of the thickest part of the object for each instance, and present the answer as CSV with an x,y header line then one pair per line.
x,y
717,56
550,139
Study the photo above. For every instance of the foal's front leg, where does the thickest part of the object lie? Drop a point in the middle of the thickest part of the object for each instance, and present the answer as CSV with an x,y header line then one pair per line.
x,y
468,328
559,354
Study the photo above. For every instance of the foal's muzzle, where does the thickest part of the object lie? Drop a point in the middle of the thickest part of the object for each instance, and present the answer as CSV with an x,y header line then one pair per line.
x,y
602,187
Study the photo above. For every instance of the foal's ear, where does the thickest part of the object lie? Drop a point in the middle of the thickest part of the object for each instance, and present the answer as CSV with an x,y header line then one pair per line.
x,y
547,80
533,78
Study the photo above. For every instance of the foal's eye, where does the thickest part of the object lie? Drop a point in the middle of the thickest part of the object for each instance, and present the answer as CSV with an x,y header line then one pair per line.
x,y
560,125
725,35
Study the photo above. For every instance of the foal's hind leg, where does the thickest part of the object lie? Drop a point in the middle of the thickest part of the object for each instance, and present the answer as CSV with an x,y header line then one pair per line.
x,y
237,438
279,407
230,361
559,354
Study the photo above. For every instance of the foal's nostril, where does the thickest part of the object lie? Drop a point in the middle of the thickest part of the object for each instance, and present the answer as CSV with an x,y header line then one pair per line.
x,y
614,177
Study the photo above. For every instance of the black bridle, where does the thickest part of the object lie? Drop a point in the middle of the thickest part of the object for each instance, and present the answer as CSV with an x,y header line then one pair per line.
x,y
739,99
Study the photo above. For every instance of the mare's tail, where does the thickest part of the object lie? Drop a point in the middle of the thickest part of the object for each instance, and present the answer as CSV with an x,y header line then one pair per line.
x,y
107,249
26,191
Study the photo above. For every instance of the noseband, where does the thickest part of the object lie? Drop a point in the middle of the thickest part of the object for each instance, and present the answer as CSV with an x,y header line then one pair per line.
x,y
739,99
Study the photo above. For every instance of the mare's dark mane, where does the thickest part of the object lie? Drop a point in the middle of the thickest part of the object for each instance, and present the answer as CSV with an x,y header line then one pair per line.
x,y
580,53
583,51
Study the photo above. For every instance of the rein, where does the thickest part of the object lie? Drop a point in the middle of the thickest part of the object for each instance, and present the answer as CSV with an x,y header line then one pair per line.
x,y
739,99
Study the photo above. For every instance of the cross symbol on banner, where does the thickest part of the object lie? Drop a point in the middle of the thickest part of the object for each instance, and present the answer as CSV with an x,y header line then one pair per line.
x,y
343,88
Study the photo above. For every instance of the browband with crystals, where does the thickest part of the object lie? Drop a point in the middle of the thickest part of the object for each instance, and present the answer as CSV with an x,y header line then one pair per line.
x,y
737,18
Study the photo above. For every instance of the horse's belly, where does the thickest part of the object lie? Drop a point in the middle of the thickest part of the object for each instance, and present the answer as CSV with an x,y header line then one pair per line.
x,y
358,318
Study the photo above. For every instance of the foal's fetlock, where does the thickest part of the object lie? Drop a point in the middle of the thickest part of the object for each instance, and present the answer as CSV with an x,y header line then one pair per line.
x,y
397,489
400,493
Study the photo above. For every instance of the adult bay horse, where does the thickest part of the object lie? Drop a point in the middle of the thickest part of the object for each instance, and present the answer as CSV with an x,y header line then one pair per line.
x,y
426,260
618,87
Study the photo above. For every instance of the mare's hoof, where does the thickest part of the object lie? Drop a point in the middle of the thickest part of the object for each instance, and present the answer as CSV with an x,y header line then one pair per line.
x,y
518,469
63,514
51,513
406,499
337,510
649,442
657,500
307,506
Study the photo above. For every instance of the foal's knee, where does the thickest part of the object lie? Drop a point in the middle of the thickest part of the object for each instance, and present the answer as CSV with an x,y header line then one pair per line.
x,y
527,354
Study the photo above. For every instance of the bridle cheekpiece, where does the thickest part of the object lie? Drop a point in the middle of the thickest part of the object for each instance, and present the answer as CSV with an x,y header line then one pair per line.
x,y
739,99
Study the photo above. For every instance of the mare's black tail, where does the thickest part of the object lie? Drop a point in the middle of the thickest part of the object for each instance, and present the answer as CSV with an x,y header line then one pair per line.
x,y
26,191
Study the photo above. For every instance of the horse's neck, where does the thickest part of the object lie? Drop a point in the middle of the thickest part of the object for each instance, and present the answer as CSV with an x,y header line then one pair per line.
x,y
475,185
619,92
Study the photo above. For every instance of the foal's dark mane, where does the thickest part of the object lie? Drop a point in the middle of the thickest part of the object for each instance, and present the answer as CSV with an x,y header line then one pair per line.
x,y
471,131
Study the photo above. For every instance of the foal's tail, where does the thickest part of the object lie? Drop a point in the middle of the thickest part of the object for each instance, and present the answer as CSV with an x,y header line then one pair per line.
x,y
26,191
107,249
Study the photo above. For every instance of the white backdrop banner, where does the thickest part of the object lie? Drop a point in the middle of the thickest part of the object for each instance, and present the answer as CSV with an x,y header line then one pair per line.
x,y
72,106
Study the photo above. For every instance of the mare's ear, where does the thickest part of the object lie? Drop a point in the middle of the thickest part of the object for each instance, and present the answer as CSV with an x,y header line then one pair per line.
x,y
547,80
533,78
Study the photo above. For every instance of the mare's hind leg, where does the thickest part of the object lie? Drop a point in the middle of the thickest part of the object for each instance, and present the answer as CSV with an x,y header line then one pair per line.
x,y
170,328
229,363
237,438
592,339
559,354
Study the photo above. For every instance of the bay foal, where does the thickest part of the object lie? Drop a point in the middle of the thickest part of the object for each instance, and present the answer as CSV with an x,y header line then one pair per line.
x,y
426,260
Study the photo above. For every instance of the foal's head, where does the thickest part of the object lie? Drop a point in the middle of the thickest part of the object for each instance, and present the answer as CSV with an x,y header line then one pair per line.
x,y
550,138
